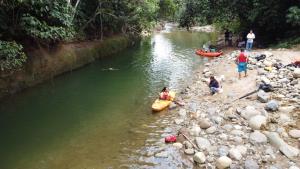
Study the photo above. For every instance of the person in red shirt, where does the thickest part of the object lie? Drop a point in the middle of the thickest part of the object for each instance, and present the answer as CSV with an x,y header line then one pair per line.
x,y
164,95
242,61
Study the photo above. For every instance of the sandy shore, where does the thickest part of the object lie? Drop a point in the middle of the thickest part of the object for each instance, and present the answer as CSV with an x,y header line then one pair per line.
x,y
260,131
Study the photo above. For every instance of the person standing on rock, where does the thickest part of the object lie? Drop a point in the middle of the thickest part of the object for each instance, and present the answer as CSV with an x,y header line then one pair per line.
x,y
213,85
242,61
250,38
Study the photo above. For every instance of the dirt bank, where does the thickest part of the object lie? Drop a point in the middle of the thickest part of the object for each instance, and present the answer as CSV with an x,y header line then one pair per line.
x,y
43,64
260,131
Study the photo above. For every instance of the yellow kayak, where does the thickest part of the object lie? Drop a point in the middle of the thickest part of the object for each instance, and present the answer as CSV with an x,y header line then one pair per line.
x,y
159,105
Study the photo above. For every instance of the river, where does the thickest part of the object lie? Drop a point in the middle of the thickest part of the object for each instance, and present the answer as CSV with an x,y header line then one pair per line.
x,y
97,117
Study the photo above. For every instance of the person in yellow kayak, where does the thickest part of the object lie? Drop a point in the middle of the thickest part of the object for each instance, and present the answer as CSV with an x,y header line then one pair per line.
x,y
164,94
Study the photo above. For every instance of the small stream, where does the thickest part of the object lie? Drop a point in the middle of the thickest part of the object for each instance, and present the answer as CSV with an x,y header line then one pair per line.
x,y
97,117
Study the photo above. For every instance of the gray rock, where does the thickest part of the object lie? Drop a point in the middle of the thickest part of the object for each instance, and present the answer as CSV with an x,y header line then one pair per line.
x,y
211,130
258,138
272,105
286,149
204,123
263,96
242,149
294,133
203,143
223,162
182,112
189,151
286,109
256,122
251,164
195,131
199,157
249,111
296,73
223,151
235,154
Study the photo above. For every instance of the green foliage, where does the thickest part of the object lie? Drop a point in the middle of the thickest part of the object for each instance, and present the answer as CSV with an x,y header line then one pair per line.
x,y
167,9
11,55
293,16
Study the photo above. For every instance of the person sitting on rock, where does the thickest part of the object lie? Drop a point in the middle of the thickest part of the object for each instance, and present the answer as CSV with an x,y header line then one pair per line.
x,y
164,94
213,85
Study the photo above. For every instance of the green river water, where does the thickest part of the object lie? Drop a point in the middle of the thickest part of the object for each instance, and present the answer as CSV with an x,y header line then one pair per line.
x,y
95,118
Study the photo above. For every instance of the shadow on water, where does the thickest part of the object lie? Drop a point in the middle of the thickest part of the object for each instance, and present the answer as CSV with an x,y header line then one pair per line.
x,y
96,117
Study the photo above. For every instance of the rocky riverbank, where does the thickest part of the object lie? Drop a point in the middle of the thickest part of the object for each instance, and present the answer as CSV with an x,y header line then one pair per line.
x,y
259,131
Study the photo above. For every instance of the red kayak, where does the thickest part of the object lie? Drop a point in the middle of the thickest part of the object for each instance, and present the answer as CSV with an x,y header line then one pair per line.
x,y
208,54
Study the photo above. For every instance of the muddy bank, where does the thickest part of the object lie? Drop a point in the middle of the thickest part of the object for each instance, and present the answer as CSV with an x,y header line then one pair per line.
x,y
43,64
260,131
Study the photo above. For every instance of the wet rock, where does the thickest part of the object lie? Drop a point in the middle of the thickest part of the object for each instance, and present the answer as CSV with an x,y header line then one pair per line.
x,y
211,130
286,149
203,143
163,154
223,162
251,164
235,154
178,145
294,133
258,138
223,151
263,96
189,151
249,112
256,122
199,157
204,123
272,105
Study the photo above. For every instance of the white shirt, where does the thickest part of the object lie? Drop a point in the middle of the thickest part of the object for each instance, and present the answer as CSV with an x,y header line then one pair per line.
x,y
250,37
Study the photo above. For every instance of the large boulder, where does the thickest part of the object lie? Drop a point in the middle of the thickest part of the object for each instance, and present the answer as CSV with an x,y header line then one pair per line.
x,y
263,96
256,122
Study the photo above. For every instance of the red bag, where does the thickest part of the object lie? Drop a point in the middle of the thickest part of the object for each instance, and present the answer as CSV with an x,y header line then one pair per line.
x,y
170,139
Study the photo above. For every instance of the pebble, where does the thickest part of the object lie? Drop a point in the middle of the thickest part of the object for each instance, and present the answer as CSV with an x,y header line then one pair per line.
x,y
223,151
223,162
263,96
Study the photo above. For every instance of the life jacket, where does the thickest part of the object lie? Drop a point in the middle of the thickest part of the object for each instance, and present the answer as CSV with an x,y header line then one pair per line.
x,y
164,95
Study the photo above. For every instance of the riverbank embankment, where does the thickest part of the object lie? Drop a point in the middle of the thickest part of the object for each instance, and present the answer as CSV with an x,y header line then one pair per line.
x,y
44,64
259,131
